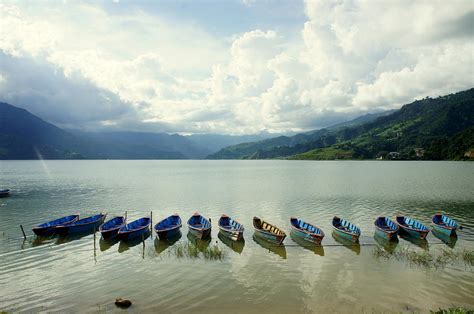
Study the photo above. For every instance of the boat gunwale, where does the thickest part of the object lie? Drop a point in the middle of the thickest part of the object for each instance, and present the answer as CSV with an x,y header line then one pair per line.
x,y
402,226
103,216
170,228
352,233
268,232
391,231
451,228
137,229
115,228
321,235
37,227
232,229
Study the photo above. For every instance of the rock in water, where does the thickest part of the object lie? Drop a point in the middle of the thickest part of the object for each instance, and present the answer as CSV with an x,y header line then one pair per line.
x,y
123,302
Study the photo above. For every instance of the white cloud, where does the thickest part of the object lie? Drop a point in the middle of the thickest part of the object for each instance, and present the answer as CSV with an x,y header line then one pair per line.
x,y
134,69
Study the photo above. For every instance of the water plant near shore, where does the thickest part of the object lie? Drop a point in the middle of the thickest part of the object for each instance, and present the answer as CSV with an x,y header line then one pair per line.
x,y
426,259
189,250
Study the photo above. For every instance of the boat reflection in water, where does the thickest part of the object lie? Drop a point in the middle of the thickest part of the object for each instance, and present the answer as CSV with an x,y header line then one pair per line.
x,y
388,245
105,244
310,246
200,244
355,247
422,243
162,245
61,239
236,246
272,247
448,240
125,245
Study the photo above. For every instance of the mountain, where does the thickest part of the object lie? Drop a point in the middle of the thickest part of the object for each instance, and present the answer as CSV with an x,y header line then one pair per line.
x,y
214,142
26,136
283,146
439,128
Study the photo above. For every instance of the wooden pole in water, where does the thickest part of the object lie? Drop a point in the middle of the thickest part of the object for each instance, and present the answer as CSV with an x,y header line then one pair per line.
x,y
23,231
151,223
125,215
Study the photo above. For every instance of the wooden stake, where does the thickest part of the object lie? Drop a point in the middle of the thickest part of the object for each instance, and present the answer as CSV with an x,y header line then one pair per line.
x,y
23,231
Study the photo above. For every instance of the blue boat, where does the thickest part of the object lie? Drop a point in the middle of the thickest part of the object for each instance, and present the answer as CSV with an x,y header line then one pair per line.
x,y
444,225
4,192
412,227
306,231
111,227
231,228
386,228
345,229
49,228
89,224
135,229
168,227
199,226
268,232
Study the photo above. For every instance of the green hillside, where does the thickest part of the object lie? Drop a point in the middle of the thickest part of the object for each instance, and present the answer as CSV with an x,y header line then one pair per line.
x,y
431,128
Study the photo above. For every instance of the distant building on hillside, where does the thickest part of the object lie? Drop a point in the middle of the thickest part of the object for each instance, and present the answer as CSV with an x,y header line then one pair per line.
x,y
393,155
420,152
469,153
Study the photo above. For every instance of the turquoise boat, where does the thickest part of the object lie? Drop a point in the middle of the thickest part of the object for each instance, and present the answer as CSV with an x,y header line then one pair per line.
x,y
444,225
385,228
345,229
412,227
306,231
230,228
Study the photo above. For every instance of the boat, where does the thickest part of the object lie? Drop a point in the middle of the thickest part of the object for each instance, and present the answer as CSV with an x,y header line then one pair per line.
x,y
199,226
4,192
445,225
110,228
168,227
386,228
89,224
345,229
412,227
306,231
136,229
49,228
231,228
268,232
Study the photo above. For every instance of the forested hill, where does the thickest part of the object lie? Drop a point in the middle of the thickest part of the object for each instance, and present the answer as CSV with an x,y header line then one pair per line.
x,y
431,128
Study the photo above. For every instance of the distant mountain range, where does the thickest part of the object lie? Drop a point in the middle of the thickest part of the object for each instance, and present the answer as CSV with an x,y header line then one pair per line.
x,y
26,136
440,128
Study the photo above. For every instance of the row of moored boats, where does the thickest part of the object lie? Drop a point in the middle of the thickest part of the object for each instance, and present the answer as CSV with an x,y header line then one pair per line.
x,y
200,227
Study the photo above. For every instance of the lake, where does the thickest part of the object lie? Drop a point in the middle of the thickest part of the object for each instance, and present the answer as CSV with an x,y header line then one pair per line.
x,y
86,274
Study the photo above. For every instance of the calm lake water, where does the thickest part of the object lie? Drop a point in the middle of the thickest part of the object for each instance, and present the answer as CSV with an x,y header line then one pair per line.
x,y
86,274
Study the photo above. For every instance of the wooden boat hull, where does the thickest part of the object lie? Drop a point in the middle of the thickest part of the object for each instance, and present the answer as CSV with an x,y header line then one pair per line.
x,y
110,228
389,236
168,234
140,229
347,236
448,231
270,237
4,193
200,233
234,235
92,226
412,228
51,230
312,238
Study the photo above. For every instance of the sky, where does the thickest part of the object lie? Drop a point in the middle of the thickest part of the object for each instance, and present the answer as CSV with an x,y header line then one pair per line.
x,y
229,67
